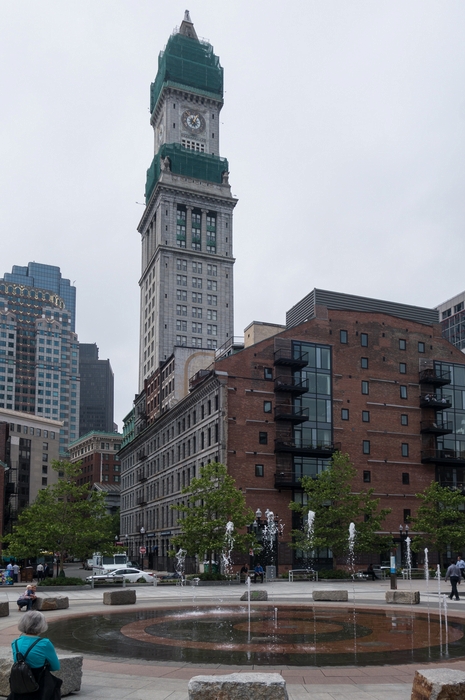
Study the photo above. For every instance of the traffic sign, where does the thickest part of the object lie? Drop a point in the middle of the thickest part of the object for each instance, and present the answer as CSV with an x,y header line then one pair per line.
x,y
142,550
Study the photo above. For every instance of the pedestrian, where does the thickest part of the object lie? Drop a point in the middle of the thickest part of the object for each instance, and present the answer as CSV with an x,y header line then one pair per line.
x,y
15,573
40,572
258,571
28,597
371,572
461,565
42,658
453,573
244,573
46,571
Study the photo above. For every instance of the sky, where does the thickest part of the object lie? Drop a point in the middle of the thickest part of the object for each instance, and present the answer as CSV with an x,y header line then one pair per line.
x,y
343,124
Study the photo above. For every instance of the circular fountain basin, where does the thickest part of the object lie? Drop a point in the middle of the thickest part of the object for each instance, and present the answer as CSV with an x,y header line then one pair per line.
x,y
290,635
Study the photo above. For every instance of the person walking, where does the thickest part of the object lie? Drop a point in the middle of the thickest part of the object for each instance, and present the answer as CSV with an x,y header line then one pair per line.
x,y
40,572
244,573
15,573
42,658
461,565
453,573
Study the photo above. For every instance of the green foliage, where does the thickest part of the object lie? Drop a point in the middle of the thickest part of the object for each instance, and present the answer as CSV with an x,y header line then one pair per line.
x,y
440,520
213,500
60,581
335,505
333,573
212,576
65,518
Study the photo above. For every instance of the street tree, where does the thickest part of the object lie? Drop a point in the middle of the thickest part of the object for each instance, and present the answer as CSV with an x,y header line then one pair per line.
x,y
212,500
440,520
332,498
66,518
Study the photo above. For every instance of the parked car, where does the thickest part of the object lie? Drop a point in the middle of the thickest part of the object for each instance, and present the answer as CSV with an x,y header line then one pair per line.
x,y
88,564
131,575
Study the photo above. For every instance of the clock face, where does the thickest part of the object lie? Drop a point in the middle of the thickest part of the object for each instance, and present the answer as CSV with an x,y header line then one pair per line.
x,y
193,121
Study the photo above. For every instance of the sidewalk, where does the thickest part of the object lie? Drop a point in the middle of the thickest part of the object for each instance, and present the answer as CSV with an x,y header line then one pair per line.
x,y
123,679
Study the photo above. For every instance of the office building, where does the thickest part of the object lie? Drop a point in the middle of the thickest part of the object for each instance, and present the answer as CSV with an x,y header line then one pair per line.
x,y
381,385
452,316
186,283
98,452
97,391
39,353
30,444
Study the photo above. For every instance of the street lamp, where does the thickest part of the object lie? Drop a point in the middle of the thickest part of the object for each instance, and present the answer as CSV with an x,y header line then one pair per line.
x,y
142,533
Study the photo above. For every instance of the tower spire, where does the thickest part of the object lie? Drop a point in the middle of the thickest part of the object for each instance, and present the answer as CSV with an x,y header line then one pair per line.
x,y
187,27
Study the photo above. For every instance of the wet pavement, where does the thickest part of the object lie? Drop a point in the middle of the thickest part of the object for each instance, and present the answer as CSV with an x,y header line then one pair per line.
x,y
120,677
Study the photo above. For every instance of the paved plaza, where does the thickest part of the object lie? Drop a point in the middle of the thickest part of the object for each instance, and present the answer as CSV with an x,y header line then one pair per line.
x,y
135,679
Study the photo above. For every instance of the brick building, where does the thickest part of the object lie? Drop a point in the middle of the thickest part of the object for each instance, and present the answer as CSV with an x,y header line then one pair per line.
x,y
384,387
98,452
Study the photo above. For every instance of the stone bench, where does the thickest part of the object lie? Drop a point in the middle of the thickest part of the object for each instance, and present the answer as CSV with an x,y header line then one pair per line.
x,y
338,596
403,597
255,595
444,683
4,609
70,672
125,596
51,603
238,686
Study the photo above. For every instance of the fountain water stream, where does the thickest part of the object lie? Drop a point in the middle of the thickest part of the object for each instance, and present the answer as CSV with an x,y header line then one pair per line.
x,y
227,548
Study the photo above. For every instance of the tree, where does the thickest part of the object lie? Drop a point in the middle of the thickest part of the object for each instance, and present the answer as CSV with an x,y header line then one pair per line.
x,y
65,518
335,505
213,501
440,520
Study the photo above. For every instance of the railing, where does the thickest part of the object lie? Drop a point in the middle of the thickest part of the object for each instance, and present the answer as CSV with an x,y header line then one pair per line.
x,y
430,400
298,386
438,426
443,456
285,356
289,413
435,376
314,448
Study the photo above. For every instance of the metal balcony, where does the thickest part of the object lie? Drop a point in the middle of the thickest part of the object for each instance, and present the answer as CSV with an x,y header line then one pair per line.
x,y
435,377
291,385
141,501
320,449
286,412
439,403
286,358
286,479
436,427
444,456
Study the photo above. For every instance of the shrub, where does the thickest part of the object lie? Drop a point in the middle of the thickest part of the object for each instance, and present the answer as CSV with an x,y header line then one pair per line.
x,y
212,576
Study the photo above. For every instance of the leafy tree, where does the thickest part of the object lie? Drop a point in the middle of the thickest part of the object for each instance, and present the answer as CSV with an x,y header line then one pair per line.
x,y
65,518
440,520
331,498
212,502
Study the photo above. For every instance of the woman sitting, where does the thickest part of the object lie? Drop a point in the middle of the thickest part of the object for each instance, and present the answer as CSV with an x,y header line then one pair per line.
x,y
42,658
27,598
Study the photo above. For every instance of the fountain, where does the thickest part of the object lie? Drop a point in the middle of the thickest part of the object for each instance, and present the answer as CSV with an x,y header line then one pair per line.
x,y
180,557
227,548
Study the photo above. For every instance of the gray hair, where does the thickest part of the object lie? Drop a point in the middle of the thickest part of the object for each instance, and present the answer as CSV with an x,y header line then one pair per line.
x,y
33,622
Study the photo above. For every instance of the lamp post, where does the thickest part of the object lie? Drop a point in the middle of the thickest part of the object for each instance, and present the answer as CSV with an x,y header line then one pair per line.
x,y
142,548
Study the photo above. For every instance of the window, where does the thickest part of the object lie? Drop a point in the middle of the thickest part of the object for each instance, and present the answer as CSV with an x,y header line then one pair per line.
x,y
367,477
268,373
344,414
402,368
405,478
181,295
366,447
212,285
267,406
196,327
407,515
263,438
366,416
197,297
181,325
403,391
421,347
402,344
197,282
196,312
211,314
343,337
446,313
404,419
364,362
181,280
181,265
211,329
212,270
364,340
404,449
181,310
259,471
365,388
212,300
181,340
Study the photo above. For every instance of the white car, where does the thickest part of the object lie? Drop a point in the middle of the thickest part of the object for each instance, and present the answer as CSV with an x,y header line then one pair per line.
x,y
131,575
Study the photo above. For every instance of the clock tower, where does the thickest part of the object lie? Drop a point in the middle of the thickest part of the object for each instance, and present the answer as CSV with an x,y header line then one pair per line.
x,y
186,282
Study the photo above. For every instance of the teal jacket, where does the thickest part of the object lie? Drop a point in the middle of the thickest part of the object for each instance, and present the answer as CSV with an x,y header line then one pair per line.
x,y
42,652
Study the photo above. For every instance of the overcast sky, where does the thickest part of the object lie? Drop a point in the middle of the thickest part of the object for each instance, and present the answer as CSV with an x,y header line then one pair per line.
x,y
343,125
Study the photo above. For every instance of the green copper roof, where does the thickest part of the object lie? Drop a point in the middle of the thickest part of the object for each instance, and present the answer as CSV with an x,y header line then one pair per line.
x,y
188,63
200,166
